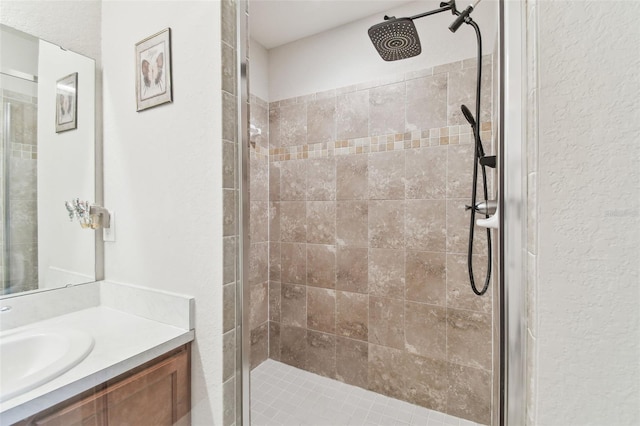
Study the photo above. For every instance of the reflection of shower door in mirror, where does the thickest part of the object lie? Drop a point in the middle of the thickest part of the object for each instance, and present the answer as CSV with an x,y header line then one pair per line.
x,y
18,199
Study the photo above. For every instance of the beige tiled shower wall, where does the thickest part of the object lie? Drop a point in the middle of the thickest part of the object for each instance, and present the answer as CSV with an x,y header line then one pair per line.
x,y
259,232
368,238
19,180
231,376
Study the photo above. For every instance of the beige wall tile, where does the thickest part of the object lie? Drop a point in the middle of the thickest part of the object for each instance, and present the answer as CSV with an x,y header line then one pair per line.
x,y
388,371
229,355
229,259
228,165
458,230
259,221
321,309
462,90
321,222
293,346
425,225
258,304
293,221
294,263
274,126
459,293
352,362
321,265
387,109
229,303
275,261
427,102
352,315
425,330
259,179
274,221
321,179
352,177
427,383
352,115
386,273
258,263
275,295
426,173
466,330
321,353
321,120
460,171
469,393
274,181
352,269
352,223
229,212
259,344
293,125
294,305
426,277
274,340
386,175
386,322
293,180
386,224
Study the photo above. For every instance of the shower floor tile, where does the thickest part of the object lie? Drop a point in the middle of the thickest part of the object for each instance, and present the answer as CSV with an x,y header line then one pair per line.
x,y
287,396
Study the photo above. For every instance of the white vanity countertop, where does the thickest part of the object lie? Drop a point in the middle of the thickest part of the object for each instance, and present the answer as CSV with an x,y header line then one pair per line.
x,y
122,341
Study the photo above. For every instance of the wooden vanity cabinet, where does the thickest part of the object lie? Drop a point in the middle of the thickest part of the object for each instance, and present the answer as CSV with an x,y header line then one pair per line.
x,y
154,394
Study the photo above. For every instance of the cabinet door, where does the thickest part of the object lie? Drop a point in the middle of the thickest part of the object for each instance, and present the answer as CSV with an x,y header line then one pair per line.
x,y
88,411
156,396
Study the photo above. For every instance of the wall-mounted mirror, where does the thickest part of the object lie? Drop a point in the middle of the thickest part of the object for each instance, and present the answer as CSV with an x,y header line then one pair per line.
x,y
45,160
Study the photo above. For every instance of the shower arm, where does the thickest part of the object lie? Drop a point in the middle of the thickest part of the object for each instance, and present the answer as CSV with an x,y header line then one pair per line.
x,y
444,7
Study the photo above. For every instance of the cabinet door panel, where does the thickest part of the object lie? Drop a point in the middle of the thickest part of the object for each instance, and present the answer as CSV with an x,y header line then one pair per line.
x,y
158,395
155,394
89,411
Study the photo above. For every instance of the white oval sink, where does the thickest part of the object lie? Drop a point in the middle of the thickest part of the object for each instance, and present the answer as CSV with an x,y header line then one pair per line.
x,y
32,357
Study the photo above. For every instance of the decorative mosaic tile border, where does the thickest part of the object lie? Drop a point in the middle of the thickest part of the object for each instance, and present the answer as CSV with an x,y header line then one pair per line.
x,y
451,135
24,151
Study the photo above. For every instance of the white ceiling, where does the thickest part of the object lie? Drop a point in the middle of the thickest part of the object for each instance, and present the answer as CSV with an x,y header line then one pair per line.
x,y
273,23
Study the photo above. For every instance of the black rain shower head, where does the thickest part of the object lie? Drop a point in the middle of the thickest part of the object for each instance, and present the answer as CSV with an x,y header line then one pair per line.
x,y
395,39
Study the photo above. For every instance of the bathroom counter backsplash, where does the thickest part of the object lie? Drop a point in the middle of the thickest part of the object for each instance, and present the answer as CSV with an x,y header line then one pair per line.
x,y
128,330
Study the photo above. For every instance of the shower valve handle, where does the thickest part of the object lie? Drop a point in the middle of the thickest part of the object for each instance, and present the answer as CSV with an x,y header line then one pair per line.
x,y
487,208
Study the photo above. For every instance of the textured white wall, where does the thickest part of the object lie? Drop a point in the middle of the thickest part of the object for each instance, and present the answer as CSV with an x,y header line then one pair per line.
x,y
74,25
163,173
345,55
589,214
259,70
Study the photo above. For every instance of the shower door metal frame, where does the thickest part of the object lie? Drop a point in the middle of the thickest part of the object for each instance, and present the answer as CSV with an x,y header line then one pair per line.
x,y
6,171
243,332
513,214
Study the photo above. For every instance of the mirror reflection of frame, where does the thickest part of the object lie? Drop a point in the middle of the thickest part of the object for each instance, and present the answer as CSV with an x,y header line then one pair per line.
x,y
43,166
66,103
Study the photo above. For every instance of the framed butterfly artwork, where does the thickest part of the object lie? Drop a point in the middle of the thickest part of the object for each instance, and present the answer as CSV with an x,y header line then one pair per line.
x,y
153,70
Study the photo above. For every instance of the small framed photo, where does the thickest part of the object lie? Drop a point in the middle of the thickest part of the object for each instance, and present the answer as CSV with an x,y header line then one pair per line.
x,y
67,103
153,70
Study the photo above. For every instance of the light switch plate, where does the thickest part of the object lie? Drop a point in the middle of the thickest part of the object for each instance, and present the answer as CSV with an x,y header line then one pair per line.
x,y
109,234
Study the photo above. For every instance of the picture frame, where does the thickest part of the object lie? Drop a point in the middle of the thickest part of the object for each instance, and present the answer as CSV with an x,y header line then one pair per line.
x,y
67,103
153,70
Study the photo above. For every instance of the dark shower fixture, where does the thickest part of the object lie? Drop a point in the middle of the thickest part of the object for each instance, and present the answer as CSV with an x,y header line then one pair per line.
x,y
397,38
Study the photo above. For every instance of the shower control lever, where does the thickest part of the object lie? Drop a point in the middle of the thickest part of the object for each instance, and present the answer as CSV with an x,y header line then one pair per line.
x,y
484,207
